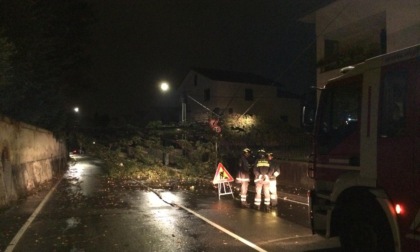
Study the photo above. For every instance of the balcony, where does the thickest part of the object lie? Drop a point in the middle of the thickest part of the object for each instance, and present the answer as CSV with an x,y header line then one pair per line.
x,y
350,56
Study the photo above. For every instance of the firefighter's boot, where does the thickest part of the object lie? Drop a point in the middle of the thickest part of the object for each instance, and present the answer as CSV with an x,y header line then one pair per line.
x,y
267,209
257,207
274,203
244,204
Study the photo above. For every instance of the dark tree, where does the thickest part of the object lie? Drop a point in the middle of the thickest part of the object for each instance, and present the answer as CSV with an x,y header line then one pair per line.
x,y
43,49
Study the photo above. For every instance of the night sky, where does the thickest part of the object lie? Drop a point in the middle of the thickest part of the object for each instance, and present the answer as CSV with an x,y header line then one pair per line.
x,y
138,43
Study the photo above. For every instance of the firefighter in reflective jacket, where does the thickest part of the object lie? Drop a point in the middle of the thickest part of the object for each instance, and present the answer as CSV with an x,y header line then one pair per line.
x,y
243,175
275,172
262,171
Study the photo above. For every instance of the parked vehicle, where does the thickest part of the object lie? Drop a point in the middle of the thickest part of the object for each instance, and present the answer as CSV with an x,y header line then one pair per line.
x,y
366,155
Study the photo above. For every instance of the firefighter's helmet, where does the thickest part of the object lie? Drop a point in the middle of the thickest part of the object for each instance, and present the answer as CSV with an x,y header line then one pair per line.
x,y
262,153
247,150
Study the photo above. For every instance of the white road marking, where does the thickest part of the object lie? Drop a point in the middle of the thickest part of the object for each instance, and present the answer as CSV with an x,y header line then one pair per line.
x,y
23,229
243,240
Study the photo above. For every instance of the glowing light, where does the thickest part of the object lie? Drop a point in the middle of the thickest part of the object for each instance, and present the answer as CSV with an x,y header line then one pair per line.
x,y
76,109
248,120
399,209
164,86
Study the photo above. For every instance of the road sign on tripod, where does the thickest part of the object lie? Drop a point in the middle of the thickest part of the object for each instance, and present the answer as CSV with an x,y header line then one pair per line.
x,y
223,178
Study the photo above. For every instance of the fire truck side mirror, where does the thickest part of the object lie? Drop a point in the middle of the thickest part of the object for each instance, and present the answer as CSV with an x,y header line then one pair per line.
x,y
308,118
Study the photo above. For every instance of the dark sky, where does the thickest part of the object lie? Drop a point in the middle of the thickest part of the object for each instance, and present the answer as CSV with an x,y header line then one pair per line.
x,y
138,43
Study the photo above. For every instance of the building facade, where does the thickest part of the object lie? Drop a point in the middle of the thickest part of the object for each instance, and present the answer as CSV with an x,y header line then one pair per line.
x,y
350,31
211,93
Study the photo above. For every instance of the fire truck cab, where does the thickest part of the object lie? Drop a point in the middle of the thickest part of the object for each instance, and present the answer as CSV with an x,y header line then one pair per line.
x,y
366,155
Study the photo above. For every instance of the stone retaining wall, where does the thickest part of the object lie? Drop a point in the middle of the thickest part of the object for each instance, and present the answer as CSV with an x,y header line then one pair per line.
x,y
30,157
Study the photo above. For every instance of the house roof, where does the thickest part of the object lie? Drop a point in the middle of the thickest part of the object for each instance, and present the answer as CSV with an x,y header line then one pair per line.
x,y
231,76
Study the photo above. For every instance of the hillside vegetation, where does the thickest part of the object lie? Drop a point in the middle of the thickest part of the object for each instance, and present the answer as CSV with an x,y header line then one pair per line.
x,y
167,156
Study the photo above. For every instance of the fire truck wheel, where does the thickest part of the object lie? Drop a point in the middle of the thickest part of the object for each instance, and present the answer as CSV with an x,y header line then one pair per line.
x,y
364,228
358,236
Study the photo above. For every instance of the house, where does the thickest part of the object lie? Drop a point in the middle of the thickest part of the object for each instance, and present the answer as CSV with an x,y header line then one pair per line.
x,y
211,93
350,31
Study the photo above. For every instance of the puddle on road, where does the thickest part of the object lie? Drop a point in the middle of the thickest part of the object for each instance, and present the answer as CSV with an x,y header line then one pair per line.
x,y
85,176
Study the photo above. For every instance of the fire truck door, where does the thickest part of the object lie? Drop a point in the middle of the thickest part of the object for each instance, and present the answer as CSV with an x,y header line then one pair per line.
x,y
396,126
398,157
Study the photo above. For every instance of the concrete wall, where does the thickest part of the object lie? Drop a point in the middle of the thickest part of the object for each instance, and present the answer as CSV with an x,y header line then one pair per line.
x,y
30,157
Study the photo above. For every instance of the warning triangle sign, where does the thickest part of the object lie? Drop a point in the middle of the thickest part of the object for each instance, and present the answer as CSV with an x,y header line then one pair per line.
x,y
222,175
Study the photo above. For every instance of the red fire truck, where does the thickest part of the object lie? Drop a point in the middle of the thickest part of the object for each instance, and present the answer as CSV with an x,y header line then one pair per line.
x,y
366,156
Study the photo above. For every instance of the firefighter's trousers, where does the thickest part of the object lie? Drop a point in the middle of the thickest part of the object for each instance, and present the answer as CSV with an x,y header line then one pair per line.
x,y
262,186
273,192
244,190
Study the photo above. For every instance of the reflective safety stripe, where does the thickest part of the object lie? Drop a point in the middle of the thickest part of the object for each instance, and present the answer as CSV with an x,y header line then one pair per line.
x,y
243,197
263,163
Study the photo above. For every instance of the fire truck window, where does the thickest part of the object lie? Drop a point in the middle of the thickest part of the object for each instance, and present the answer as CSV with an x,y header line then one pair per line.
x,y
393,104
340,114
346,107
343,109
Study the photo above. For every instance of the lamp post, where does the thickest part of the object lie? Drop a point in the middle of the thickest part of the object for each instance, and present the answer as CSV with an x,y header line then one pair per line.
x,y
183,109
76,111
76,127
164,86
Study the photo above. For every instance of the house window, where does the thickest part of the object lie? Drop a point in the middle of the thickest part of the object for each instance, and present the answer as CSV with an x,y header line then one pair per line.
x,y
383,41
195,80
331,48
207,94
249,95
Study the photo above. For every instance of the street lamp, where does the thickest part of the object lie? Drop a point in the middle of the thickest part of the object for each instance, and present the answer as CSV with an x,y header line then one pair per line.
x,y
76,117
164,86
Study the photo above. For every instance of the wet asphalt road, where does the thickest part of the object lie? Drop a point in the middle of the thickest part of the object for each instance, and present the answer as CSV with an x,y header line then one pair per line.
x,y
89,212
